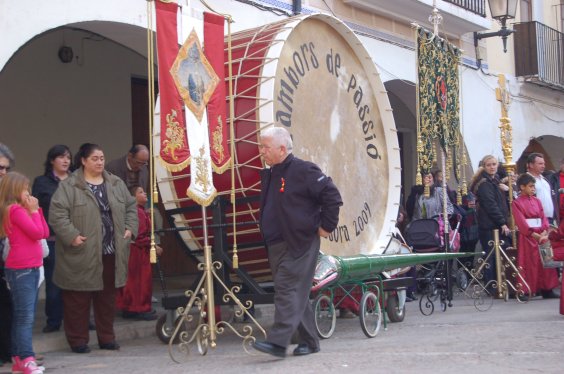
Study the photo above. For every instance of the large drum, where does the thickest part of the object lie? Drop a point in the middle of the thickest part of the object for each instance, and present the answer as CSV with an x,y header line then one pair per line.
x,y
312,75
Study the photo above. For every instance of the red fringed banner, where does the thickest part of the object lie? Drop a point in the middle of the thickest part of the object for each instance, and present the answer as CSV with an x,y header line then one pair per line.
x,y
217,110
174,154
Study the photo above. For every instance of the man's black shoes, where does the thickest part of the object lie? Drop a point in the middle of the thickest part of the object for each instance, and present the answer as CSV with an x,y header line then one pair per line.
x,y
304,349
81,349
49,328
549,294
270,348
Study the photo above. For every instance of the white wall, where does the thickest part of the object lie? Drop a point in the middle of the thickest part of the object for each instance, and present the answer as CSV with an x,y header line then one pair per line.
x,y
44,102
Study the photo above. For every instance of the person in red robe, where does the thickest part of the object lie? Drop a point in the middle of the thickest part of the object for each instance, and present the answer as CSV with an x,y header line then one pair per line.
x,y
134,300
533,229
557,241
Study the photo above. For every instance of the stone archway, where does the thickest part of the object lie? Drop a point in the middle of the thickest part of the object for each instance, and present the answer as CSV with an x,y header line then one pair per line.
x,y
549,145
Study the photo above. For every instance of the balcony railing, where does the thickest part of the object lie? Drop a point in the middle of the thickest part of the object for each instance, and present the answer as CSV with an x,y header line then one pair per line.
x,y
539,53
474,6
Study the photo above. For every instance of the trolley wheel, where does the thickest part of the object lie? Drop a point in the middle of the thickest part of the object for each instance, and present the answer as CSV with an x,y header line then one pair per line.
x,y
163,332
395,314
370,314
325,316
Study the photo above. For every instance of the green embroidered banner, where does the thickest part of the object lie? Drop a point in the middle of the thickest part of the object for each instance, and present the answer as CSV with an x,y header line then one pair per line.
x,y
438,99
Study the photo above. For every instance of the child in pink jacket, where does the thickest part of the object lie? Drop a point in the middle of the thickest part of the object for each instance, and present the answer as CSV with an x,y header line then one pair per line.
x,y
22,222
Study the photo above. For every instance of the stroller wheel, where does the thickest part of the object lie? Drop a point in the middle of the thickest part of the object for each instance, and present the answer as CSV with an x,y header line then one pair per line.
x,y
461,279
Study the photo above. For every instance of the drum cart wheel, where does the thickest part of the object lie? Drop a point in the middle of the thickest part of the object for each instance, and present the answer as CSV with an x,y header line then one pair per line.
x,y
370,314
325,316
395,314
165,329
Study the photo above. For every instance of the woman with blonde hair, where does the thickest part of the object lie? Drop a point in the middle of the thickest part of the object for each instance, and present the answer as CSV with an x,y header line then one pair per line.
x,y
491,206
22,222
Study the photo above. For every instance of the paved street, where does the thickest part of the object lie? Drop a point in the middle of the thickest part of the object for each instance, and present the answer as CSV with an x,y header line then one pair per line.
x,y
509,338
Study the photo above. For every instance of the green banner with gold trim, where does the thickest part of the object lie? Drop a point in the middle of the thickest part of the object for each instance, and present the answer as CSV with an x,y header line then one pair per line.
x,y
438,99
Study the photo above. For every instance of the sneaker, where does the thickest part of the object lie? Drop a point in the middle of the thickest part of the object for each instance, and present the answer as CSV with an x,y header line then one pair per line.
x,y
29,366
16,365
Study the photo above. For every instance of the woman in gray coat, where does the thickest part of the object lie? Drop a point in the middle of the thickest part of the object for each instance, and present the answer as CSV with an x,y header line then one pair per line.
x,y
94,218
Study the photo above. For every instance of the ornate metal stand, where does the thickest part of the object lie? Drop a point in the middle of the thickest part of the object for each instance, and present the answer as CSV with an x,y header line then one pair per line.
x,y
501,284
202,298
474,289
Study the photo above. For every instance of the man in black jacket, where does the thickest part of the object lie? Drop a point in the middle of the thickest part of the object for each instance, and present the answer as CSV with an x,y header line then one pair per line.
x,y
299,204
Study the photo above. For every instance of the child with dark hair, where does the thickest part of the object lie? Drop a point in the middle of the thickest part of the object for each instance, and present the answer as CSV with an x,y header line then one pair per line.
x,y
533,225
134,300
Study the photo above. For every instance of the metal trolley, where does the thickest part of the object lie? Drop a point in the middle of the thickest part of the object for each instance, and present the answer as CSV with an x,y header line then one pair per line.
x,y
375,295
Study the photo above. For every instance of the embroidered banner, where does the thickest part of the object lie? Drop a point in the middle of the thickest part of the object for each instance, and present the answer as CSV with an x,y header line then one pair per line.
x,y
217,109
174,154
195,79
438,99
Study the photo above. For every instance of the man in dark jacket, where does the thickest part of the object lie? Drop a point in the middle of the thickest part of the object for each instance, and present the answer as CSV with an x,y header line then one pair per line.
x,y
299,204
132,168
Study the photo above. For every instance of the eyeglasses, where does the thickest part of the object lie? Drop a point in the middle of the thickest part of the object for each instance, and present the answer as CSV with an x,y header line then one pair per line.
x,y
2,168
140,162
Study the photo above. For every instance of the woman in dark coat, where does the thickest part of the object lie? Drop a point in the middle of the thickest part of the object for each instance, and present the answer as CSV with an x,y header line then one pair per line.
x,y
491,207
57,168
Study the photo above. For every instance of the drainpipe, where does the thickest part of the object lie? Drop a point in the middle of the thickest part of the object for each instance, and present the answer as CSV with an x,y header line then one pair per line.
x,y
297,7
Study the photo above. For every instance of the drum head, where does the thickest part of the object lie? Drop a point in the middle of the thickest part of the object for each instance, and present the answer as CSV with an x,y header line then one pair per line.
x,y
328,94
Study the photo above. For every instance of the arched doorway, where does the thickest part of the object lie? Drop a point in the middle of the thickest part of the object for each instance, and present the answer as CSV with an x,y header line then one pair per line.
x,y
402,100
550,146
93,93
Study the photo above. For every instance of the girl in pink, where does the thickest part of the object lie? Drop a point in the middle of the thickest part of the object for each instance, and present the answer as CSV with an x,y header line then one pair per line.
x,y
23,224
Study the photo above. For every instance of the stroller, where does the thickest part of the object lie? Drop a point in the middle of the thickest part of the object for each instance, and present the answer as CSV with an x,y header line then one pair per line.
x,y
426,236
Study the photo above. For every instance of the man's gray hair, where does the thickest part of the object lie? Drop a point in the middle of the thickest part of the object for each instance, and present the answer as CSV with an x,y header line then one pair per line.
x,y
5,152
280,136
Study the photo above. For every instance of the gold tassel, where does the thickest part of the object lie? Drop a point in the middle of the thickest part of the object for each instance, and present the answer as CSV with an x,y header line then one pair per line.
x,y
235,258
153,254
427,191
418,179
458,198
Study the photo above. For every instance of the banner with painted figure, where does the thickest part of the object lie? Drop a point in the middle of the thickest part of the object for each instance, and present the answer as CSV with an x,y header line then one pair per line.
x,y
196,80
438,99
174,154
